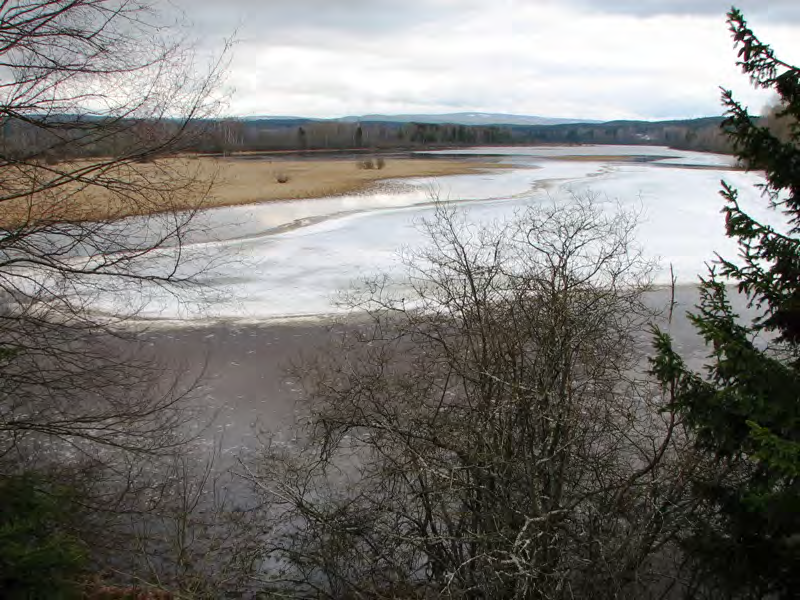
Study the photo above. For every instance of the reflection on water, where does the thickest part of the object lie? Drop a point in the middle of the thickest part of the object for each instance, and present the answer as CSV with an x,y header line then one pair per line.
x,y
658,154
291,258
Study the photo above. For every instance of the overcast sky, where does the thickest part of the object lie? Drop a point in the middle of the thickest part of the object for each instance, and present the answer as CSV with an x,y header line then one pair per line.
x,y
594,59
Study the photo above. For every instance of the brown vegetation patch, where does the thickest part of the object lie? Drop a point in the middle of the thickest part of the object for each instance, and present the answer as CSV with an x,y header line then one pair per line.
x,y
190,183
247,181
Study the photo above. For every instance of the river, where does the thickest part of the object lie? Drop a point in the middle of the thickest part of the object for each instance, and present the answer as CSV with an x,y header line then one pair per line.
x,y
282,260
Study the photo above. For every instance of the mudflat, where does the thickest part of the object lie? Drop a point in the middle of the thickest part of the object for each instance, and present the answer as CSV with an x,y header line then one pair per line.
x,y
247,389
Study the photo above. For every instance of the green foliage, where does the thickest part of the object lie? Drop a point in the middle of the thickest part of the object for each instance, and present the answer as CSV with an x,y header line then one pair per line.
x,y
39,559
745,409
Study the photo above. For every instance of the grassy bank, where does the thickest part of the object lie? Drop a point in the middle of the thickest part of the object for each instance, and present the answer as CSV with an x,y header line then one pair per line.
x,y
207,182
246,181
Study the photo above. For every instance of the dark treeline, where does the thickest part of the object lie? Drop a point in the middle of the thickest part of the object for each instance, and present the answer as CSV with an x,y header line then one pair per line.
x,y
298,134
72,139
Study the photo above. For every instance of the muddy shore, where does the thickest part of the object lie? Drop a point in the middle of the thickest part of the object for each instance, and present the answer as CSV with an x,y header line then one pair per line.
x,y
245,385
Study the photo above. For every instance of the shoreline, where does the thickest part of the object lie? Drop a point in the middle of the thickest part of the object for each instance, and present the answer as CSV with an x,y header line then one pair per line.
x,y
686,295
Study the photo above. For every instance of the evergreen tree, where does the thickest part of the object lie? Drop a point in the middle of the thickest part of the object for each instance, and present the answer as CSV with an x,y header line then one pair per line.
x,y
744,410
39,558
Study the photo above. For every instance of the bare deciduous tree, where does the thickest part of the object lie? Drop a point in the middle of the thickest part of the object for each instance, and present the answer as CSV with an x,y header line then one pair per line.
x,y
486,434
77,75
97,97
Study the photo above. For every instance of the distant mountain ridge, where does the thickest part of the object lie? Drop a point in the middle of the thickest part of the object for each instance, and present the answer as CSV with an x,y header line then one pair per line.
x,y
460,118
467,118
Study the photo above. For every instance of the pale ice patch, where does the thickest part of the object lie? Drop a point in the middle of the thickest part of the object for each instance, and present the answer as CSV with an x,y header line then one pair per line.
x,y
681,221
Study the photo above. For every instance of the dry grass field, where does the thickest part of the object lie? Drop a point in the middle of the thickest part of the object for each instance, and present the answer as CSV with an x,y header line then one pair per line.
x,y
245,181
189,183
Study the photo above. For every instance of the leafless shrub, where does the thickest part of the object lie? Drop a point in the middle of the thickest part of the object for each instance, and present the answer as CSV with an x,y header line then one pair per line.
x,y
366,163
194,540
380,163
281,177
485,435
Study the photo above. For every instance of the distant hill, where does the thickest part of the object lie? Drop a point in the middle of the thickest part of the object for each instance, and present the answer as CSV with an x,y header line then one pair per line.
x,y
465,118
462,118
281,118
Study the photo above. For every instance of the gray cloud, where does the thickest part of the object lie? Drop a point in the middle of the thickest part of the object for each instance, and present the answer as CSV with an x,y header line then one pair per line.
x,y
283,19
575,58
770,10
277,20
